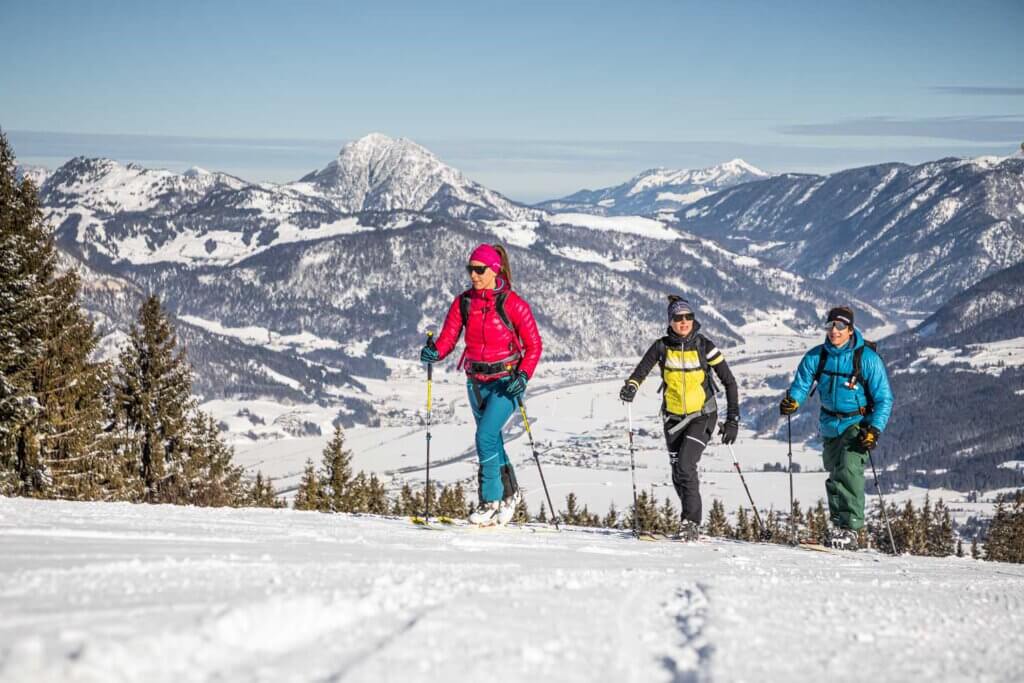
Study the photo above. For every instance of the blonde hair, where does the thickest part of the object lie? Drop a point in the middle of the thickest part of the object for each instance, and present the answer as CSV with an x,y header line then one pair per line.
x,y
506,269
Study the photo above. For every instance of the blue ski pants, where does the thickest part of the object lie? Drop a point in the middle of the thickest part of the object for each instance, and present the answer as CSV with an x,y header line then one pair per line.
x,y
492,407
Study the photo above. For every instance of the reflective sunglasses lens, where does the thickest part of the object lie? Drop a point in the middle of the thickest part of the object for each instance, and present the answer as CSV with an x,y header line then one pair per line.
x,y
681,317
479,270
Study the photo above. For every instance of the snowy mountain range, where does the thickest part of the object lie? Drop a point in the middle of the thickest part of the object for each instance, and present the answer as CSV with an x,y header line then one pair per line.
x,y
658,190
292,291
899,235
307,272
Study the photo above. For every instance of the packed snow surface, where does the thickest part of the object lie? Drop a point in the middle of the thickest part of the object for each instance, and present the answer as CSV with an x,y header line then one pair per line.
x,y
119,592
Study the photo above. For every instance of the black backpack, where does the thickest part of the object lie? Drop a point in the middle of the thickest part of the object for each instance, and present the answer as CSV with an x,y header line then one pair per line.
x,y
499,307
853,379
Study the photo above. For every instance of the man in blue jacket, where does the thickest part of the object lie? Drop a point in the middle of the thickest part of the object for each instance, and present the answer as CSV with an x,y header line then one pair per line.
x,y
856,403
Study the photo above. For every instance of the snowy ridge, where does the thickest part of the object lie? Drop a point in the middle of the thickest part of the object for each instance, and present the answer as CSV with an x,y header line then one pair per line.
x,y
910,236
174,593
658,190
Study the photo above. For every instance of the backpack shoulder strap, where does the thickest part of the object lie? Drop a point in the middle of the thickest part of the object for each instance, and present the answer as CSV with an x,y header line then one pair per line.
x,y
702,356
858,373
464,304
822,359
499,306
663,348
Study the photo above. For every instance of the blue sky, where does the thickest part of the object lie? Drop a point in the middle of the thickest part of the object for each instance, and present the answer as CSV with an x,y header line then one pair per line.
x,y
535,99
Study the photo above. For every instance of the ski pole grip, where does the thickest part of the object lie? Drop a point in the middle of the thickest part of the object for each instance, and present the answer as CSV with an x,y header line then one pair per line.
x,y
430,366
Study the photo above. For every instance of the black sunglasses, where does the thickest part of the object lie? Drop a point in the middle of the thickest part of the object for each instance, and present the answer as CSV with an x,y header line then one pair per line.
x,y
479,270
681,317
838,324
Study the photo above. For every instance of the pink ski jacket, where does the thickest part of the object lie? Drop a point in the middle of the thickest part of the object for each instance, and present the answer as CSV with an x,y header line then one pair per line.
x,y
488,340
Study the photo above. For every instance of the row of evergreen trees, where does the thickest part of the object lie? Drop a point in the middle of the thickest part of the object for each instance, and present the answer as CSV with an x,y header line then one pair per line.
x,y
73,427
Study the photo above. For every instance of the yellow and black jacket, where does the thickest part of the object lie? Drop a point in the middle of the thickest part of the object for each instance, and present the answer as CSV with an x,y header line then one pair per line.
x,y
685,365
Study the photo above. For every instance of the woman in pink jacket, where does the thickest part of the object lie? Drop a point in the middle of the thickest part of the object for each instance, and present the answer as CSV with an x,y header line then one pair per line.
x,y
503,347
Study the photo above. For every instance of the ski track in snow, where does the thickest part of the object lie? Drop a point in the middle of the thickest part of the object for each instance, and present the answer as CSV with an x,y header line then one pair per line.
x,y
118,592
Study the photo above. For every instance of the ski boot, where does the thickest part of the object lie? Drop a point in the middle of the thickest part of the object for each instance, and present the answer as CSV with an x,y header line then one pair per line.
x,y
688,531
842,539
507,508
485,514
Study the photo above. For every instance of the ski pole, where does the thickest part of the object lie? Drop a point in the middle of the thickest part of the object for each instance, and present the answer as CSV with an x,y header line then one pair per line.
x,y
632,469
881,500
792,520
536,458
430,394
757,516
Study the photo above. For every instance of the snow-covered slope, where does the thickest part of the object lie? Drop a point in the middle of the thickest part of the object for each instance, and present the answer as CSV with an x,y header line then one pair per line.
x,y
101,592
658,190
912,236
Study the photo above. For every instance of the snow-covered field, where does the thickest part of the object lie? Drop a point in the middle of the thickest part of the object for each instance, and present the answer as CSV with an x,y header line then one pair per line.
x,y
119,592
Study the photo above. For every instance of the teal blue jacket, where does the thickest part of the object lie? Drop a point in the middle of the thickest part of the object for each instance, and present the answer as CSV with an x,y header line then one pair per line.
x,y
835,395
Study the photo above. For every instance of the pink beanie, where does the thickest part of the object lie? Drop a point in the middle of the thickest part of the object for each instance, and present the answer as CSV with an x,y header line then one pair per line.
x,y
487,255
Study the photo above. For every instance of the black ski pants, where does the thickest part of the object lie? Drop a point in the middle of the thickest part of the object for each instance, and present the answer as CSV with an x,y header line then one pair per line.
x,y
685,446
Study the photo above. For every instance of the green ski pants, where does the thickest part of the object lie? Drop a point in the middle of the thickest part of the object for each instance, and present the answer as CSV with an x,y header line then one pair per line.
x,y
844,462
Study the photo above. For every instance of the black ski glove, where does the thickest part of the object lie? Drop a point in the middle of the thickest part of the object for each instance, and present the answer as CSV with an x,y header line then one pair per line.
x,y
728,430
867,437
517,385
788,406
628,391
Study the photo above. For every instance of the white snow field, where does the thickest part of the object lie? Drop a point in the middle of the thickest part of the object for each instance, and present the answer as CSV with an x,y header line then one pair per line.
x,y
119,592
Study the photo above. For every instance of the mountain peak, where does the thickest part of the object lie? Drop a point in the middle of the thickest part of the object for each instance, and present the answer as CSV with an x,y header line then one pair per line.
x,y
380,173
741,166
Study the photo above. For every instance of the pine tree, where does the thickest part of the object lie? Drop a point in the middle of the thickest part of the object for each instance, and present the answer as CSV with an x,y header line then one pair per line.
x,y
798,521
572,513
310,495
208,477
51,393
925,525
542,515
522,513
1005,542
959,547
906,531
818,522
611,518
339,486
975,550
261,494
409,502
718,524
452,502
668,518
376,496
154,401
645,515
941,540
743,530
